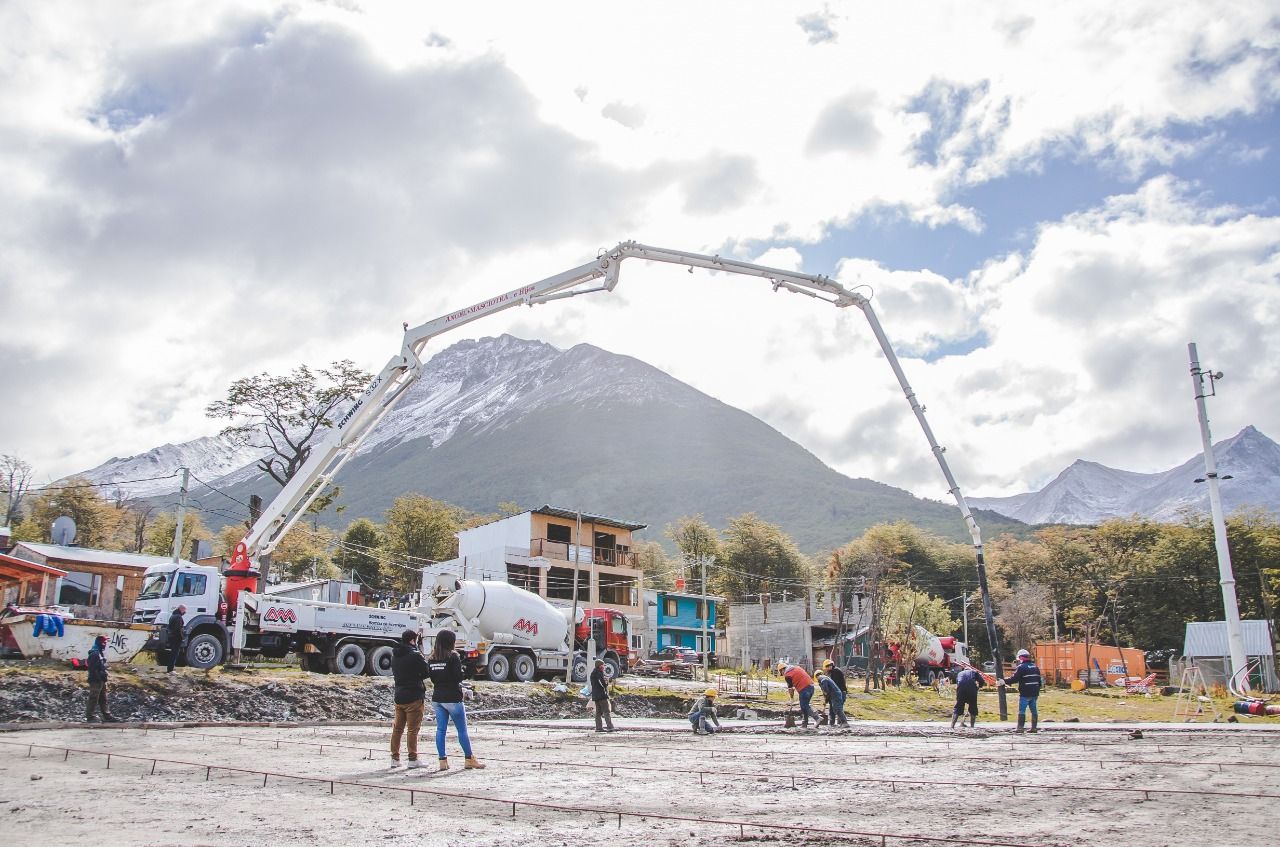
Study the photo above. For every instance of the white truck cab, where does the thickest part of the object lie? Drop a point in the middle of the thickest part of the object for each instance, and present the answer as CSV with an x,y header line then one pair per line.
x,y
199,588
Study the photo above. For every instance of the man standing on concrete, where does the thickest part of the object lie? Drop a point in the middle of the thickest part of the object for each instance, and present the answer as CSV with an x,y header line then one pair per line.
x,y
837,676
1028,678
799,682
97,662
173,634
600,696
409,668
968,681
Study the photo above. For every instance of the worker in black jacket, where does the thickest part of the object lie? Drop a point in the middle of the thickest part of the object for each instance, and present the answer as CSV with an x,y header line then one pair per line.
x,y
600,696
968,681
1027,676
836,675
173,634
409,669
97,662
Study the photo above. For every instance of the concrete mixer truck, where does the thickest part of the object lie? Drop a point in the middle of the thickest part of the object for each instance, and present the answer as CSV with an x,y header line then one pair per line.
x,y
506,632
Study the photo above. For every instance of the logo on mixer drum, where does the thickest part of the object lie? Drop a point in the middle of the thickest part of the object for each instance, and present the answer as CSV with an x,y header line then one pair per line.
x,y
275,615
526,626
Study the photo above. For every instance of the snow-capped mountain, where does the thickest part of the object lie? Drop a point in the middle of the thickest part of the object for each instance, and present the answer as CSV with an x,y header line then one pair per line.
x,y
1088,493
157,470
507,420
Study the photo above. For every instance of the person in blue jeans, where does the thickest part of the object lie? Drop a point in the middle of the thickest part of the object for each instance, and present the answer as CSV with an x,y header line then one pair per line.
x,y
1027,675
445,670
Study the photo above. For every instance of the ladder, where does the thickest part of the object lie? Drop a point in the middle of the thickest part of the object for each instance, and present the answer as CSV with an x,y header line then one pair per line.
x,y
1193,695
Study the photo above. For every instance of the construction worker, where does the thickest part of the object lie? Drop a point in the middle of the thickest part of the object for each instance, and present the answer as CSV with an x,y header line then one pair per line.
x,y
97,663
799,682
600,696
703,713
968,681
837,676
834,698
1027,675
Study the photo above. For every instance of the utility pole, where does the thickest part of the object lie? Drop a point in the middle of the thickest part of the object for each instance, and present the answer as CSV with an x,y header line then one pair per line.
x,y
182,516
706,613
573,618
964,613
1231,608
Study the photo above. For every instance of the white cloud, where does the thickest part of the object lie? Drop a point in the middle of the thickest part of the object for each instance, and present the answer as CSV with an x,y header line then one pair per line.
x,y
198,191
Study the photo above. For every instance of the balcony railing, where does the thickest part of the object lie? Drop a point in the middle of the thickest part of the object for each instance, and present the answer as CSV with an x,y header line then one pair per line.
x,y
563,551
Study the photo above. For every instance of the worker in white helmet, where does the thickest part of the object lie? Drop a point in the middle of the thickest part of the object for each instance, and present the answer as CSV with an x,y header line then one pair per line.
x,y
1027,675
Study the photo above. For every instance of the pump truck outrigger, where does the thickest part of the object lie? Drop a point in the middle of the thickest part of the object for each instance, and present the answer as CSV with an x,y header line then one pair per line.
x,y
402,370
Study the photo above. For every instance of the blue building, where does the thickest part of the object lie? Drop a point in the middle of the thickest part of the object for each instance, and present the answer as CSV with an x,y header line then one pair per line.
x,y
675,619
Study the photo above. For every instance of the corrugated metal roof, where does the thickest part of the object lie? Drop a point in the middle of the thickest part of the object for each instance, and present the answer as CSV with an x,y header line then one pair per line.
x,y
88,555
1209,638
570,514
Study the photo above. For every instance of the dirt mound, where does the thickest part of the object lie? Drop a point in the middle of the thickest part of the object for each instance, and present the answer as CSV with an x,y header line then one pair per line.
x,y
34,692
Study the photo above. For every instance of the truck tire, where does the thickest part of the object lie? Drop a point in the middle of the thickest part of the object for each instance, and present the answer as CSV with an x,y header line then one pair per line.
x,y
926,676
579,668
204,651
380,659
611,668
499,667
523,667
350,659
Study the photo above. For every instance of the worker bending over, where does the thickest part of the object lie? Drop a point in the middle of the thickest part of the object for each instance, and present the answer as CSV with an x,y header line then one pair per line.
x,y
834,697
968,681
1027,676
799,682
703,713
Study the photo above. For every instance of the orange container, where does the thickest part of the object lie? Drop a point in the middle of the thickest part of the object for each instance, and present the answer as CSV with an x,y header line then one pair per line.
x,y
1063,661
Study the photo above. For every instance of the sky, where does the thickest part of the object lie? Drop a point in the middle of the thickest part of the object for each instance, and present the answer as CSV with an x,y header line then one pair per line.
x,y
1045,204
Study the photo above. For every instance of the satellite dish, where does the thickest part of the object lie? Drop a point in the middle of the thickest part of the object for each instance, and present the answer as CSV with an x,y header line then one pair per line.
x,y
64,531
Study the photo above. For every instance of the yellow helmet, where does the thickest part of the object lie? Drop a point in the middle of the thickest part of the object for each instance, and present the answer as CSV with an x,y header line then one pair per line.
x,y
828,664
710,692
817,674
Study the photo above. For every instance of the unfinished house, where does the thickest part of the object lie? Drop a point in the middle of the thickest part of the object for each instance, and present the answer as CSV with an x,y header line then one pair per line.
x,y
553,553
803,631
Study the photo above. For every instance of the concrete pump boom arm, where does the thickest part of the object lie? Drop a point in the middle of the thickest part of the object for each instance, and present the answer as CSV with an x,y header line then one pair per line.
x,y
403,369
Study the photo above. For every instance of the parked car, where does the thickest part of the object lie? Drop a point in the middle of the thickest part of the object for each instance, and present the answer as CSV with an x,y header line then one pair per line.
x,y
678,654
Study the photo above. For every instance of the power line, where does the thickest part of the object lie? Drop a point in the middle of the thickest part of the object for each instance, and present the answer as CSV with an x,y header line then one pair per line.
x,y
117,483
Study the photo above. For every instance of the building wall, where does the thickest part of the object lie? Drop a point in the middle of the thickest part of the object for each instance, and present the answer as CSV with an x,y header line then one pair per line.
x,y
514,531
784,632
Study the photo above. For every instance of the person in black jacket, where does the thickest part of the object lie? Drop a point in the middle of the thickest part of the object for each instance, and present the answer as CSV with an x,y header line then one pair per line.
x,y
600,696
173,633
837,676
97,662
409,669
445,668
1028,678
968,681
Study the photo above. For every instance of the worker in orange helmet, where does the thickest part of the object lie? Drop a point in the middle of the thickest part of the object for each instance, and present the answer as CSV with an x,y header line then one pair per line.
x,y
799,682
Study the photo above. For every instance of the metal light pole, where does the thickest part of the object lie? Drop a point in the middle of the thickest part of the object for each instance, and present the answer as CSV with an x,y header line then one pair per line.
x,y
1235,638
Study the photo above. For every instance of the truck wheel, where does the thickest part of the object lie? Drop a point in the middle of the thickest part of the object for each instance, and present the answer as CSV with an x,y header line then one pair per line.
x,y
579,668
499,667
380,660
350,659
611,668
926,677
204,651
523,668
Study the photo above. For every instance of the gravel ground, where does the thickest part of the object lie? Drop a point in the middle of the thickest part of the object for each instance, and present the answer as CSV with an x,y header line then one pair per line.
x,y
727,777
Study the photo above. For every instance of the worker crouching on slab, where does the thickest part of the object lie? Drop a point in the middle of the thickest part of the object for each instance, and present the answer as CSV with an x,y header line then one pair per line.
x,y
703,713
409,669
445,667
1027,676
600,697
799,683
834,698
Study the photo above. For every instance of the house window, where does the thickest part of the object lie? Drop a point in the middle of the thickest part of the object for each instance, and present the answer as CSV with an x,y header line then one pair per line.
x,y
702,610
559,532
523,577
670,608
189,585
560,584
637,642
80,589
615,589
117,602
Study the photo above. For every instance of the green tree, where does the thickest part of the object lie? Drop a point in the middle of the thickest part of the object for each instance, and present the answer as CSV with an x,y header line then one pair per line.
x,y
903,610
305,553
757,556
659,571
286,414
359,550
1025,614
96,521
418,531
15,482
694,538
158,536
